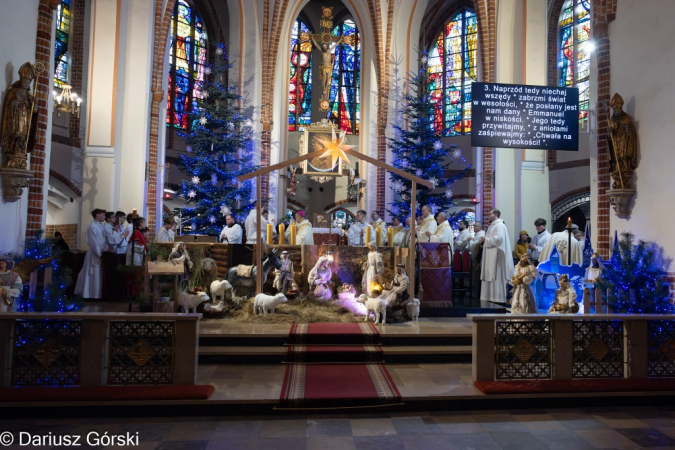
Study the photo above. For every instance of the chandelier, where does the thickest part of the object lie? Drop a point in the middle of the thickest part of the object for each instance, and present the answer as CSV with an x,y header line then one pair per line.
x,y
66,101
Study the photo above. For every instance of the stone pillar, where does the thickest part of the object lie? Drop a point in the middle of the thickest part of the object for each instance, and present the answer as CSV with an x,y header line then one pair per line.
x,y
636,348
483,350
561,349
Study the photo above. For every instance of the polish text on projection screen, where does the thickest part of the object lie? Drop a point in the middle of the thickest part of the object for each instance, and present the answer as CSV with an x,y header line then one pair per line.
x,y
523,116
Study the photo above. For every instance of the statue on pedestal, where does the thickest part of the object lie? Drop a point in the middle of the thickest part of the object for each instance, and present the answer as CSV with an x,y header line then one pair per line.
x,y
623,144
19,120
592,281
319,280
565,300
523,300
373,269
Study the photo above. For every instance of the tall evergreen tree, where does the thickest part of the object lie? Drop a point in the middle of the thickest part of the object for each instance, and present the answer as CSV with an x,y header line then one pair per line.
x,y
219,149
417,149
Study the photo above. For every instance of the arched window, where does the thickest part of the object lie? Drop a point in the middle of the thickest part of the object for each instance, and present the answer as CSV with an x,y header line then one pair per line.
x,y
300,84
574,60
345,88
62,41
187,64
452,68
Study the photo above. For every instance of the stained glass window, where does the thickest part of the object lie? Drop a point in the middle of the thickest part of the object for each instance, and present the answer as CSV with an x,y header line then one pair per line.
x,y
574,58
452,67
300,84
345,87
187,65
62,40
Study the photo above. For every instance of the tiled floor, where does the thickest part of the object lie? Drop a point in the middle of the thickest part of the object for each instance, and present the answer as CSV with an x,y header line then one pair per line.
x,y
263,382
554,429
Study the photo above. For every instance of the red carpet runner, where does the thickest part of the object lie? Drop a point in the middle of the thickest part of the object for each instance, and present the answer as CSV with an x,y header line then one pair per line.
x,y
332,366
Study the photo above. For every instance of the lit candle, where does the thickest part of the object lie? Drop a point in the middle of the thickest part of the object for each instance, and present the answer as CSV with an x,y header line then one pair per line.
x,y
378,237
134,214
390,236
569,222
367,240
282,230
269,234
292,228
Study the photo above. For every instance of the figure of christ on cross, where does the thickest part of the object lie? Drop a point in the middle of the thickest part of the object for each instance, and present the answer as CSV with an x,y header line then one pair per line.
x,y
327,43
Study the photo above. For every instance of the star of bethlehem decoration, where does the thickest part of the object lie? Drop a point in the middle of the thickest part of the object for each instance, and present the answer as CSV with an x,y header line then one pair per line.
x,y
438,145
230,126
195,180
224,210
207,71
212,219
448,193
335,148
433,181
192,194
219,51
205,94
188,149
424,59
237,197
203,120
457,153
418,172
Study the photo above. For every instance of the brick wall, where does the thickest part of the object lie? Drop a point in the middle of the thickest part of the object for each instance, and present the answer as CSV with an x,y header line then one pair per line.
x,y
76,49
69,232
43,54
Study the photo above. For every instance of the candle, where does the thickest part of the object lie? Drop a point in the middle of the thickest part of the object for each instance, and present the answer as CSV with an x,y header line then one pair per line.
x,y
569,222
292,228
282,230
269,234
390,236
367,240
378,237
134,214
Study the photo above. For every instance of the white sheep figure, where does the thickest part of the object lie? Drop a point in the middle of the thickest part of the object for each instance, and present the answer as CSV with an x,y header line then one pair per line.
x,y
191,301
215,308
376,305
219,288
413,308
264,302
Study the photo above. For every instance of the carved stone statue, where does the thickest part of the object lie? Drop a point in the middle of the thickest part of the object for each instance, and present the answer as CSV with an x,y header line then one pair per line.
x,y
19,120
623,144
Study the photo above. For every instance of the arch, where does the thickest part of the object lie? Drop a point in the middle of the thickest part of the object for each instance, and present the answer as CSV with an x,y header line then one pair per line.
x,y
577,198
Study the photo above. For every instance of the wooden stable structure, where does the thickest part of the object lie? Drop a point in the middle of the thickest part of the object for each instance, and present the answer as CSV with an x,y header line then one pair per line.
x,y
282,165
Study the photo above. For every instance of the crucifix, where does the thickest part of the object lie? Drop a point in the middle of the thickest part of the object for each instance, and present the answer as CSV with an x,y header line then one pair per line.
x,y
326,43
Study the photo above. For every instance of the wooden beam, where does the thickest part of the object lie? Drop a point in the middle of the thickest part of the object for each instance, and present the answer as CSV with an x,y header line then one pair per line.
x,y
412,255
361,156
258,237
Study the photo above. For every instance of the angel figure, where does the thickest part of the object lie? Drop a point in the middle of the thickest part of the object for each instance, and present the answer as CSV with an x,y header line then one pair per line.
x,y
180,255
373,269
11,283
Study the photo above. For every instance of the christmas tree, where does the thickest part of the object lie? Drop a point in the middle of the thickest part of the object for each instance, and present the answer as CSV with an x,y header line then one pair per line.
x,y
635,272
219,149
417,149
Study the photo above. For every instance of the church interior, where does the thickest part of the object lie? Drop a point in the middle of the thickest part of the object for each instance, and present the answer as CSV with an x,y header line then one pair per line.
x,y
336,223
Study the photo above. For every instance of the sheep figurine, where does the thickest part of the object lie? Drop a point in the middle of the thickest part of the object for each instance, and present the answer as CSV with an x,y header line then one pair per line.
x,y
191,301
215,308
264,302
376,305
413,308
221,289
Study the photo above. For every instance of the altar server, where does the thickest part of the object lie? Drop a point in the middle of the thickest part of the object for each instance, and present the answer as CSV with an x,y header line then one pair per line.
x,y
464,237
232,231
89,281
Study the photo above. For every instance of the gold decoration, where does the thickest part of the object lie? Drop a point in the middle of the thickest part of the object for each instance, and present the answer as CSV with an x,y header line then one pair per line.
x,y
335,148
304,36
324,105
668,349
597,349
47,353
523,350
141,353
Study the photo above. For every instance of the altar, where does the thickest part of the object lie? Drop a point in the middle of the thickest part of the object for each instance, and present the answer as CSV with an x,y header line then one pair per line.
x,y
327,236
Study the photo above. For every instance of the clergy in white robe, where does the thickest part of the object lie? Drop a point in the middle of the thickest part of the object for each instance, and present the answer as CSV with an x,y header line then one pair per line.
x,y
464,238
444,231
377,222
479,233
561,241
428,226
497,263
231,233
399,232
89,281
356,235
251,228
539,240
523,300
304,234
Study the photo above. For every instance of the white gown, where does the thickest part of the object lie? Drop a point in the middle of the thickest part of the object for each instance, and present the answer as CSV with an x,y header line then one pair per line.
x,y
90,280
560,241
304,235
443,234
374,269
428,224
251,228
383,231
497,263
523,300
231,235
399,236
354,234
463,240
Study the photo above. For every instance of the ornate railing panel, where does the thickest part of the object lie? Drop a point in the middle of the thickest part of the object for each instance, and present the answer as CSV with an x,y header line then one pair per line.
x,y
523,349
661,345
46,353
597,349
141,352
